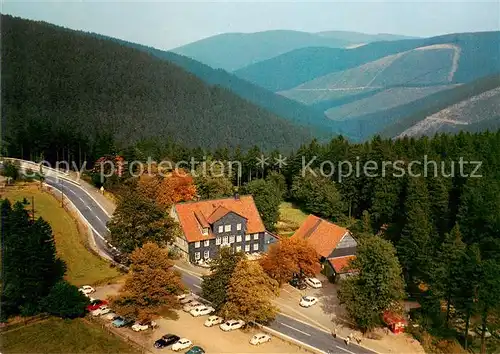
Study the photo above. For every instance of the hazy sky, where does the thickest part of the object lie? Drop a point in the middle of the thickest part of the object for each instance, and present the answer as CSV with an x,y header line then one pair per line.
x,y
166,25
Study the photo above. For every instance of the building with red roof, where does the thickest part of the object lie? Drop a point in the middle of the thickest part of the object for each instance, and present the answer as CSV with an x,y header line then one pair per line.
x,y
334,244
208,225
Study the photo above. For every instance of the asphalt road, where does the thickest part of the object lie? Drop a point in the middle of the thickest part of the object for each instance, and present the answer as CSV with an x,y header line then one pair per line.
x,y
298,330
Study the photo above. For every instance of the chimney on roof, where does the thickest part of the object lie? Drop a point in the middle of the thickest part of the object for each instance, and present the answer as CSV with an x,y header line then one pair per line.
x,y
236,195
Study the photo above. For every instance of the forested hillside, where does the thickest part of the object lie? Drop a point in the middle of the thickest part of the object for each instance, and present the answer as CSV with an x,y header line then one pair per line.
x,y
366,89
479,57
275,103
66,93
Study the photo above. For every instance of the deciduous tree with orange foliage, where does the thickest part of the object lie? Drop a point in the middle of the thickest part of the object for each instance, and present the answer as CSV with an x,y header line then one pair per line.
x,y
288,257
151,286
177,187
148,186
249,294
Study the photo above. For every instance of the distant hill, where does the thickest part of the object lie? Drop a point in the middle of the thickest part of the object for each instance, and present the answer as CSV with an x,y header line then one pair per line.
x,y
479,57
371,87
232,51
284,107
360,38
66,91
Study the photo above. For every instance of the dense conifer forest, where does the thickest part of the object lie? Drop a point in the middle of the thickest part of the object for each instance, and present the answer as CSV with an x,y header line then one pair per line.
x,y
65,93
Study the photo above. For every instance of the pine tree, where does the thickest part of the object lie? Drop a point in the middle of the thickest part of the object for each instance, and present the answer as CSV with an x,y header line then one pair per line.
x,y
414,251
449,261
30,264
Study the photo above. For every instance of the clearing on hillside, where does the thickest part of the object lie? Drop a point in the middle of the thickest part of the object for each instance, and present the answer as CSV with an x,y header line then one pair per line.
x,y
291,217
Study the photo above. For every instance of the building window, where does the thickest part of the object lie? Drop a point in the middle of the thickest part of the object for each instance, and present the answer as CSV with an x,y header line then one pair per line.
x,y
238,226
247,248
206,243
205,231
255,236
238,248
231,239
227,228
197,256
221,228
206,254
247,237
197,244
255,246
224,240
238,238
217,241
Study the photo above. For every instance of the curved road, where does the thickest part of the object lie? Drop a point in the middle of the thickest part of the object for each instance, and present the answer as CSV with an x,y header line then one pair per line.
x,y
298,330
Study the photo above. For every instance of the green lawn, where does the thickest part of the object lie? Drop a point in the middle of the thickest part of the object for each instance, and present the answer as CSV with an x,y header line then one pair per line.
x,y
84,267
63,336
290,219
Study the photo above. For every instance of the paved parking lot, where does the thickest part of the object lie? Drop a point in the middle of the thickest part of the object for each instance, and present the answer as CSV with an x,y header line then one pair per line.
x,y
211,339
323,314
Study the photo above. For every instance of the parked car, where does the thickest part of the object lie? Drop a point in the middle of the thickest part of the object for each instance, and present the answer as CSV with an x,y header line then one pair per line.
x,y
94,305
232,325
479,331
183,296
104,309
87,289
260,338
166,340
181,344
196,350
191,305
201,311
142,326
121,322
187,299
213,320
307,301
298,283
313,283
111,316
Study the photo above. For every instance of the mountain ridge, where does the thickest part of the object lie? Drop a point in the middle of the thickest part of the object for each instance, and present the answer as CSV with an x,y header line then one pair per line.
x,y
233,51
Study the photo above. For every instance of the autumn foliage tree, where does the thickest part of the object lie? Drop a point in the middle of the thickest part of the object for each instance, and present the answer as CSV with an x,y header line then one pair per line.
x,y
151,286
177,187
288,257
249,294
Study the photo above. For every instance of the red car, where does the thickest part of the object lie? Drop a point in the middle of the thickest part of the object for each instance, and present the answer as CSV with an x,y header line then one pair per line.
x,y
94,305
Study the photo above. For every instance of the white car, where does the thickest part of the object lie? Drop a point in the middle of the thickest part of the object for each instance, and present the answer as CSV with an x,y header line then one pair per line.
x,y
143,326
213,320
313,283
260,338
87,289
201,311
307,301
186,299
182,296
110,316
232,325
189,306
181,344
101,311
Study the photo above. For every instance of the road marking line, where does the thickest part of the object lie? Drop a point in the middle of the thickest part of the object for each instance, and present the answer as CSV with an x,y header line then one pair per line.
x,y
311,323
197,286
345,349
295,329
83,201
